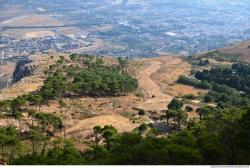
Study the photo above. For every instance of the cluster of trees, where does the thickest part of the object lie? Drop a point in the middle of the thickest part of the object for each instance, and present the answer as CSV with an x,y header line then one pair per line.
x,y
43,126
96,79
222,137
101,81
9,140
228,86
224,100
236,77
175,115
193,82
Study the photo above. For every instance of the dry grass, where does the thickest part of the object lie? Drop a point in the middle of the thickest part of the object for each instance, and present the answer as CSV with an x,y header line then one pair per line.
x,y
242,49
156,77
84,127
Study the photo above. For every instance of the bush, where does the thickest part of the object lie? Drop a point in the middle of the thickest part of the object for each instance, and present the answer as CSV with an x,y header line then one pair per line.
x,y
189,109
51,119
141,112
142,127
208,99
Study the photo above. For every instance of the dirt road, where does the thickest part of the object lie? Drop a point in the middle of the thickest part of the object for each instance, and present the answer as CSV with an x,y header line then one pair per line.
x,y
155,99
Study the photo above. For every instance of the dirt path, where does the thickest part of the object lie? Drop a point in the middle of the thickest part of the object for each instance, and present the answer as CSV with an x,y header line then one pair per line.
x,y
155,99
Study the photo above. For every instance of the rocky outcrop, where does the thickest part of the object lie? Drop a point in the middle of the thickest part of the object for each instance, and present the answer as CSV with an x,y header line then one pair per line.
x,y
23,69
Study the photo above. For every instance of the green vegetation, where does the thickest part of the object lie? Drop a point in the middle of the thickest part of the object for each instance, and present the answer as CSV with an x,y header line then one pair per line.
x,y
49,119
193,82
236,77
228,86
95,80
221,137
9,140
103,81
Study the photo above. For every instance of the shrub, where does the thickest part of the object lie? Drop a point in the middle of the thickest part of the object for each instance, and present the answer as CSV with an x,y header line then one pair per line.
x,y
141,112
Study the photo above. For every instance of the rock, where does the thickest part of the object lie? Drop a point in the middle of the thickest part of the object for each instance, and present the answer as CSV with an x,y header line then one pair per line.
x,y
23,69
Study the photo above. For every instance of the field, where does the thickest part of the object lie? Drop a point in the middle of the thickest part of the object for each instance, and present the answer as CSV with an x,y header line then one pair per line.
x,y
31,20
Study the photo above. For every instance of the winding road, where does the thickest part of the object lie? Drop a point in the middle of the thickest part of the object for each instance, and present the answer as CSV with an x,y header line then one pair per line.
x,y
155,99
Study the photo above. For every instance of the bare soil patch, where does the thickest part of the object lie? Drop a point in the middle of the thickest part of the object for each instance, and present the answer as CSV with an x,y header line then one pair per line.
x,y
39,34
85,127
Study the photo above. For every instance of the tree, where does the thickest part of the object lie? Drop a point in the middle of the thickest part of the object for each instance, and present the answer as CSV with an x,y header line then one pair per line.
x,y
141,112
123,62
73,57
174,111
242,137
16,105
180,155
208,99
19,118
4,106
169,115
37,136
180,117
32,114
203,112
109,134
97,130
63,104
8,138
36,100
175,104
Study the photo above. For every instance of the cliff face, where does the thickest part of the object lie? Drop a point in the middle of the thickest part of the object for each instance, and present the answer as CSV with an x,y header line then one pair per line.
x,y
23,69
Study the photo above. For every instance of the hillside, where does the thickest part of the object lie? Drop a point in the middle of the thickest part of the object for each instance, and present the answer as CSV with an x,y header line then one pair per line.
x,y
156,90
101,104
241,49
234,52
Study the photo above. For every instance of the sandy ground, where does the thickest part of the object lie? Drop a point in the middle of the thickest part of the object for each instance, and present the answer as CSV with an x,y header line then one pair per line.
x,y
158,81
85,126
155,99
169,72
